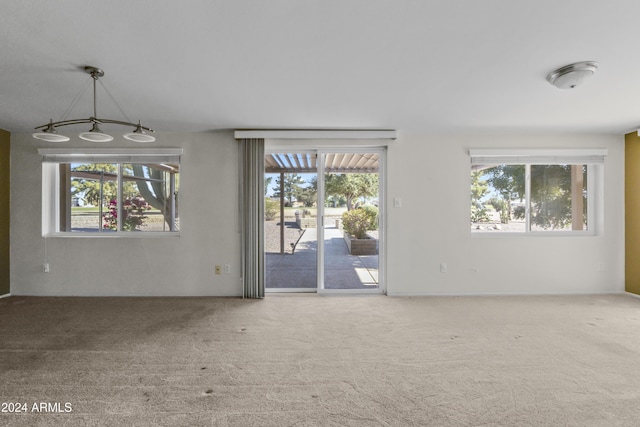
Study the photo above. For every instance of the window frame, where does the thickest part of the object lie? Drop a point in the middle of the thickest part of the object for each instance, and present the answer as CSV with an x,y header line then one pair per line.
x,y
594,159
51,184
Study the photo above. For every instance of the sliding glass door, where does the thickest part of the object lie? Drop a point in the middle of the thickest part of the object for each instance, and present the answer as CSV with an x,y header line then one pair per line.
x,y
323,220
351,221
291,218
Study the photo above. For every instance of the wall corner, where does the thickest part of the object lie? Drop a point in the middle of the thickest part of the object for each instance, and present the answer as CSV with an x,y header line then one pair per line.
x,y
5,200
632,212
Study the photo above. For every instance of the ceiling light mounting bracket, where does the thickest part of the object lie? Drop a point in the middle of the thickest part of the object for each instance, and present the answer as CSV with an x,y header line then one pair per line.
x,y
94,72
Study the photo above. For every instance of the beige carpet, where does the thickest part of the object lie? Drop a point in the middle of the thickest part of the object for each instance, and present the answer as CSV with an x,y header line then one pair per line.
x,y
308,360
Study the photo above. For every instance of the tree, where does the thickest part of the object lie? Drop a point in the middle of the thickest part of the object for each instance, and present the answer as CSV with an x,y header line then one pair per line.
x,y
101,175
550,192
551,196
509,181
156,190
267,182
308,195
89,188
292,186
479,188
351,186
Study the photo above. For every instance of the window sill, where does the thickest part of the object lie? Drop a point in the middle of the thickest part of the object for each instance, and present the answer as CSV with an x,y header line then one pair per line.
x,y
507,234
115,235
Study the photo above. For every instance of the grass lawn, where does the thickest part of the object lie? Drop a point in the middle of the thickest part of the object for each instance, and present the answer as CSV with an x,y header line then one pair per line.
x,y
80,210
83,209
291,212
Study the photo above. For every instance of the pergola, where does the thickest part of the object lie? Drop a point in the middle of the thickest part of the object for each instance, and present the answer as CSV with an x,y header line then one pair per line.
x,y
308,163
334,163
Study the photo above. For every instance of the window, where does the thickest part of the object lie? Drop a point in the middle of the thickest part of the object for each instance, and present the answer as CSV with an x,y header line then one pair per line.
x,y
109,193
535,191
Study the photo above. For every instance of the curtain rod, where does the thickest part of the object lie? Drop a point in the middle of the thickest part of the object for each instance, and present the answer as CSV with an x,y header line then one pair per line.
x,y
315,134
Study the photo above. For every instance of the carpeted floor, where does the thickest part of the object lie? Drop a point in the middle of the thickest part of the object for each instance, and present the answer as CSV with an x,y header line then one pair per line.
x,y
309,360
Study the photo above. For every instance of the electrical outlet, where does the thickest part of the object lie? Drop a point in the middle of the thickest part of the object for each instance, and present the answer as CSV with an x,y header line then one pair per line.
x,y
218,269
227,269
45,267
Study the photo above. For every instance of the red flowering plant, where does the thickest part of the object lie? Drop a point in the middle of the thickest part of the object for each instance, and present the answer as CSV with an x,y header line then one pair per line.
x,y
132,214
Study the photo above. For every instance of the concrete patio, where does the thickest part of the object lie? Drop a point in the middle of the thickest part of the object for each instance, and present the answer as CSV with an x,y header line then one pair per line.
x,y
342,270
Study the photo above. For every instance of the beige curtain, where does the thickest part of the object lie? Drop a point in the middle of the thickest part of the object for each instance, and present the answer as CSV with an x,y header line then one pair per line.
x,y
252,216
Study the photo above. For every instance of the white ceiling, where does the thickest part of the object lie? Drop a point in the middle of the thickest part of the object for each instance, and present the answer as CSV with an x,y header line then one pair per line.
x,y
429,66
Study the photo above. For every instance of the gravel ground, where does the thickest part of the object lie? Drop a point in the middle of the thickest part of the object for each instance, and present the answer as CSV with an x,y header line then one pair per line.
x,y
272,235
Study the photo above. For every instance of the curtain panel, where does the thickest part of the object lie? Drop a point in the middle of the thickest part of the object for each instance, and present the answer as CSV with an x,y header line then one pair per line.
x,y
252,216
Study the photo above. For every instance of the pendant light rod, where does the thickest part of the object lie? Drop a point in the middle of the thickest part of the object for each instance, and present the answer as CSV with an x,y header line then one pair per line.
x,y
94,75
92,120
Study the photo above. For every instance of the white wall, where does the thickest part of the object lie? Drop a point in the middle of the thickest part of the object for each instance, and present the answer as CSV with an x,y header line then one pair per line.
x,y
134,266
429,173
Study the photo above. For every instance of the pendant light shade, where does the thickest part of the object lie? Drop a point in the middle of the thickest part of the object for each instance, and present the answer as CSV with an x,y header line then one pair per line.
x,y
138,135
49,133
95,135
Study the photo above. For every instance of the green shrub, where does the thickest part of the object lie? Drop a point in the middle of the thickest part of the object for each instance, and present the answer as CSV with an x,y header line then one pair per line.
x,y
479,214
271,209
372,212
357,221
502,207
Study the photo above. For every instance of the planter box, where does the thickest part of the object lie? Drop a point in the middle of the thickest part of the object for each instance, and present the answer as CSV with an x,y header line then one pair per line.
x,y
361,246
304,221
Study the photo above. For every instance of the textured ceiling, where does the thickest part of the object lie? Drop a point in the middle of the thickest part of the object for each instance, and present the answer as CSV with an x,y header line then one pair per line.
x,y
463,66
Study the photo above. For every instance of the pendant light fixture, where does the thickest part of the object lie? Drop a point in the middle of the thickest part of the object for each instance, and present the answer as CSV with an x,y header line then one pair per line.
x,y
49,132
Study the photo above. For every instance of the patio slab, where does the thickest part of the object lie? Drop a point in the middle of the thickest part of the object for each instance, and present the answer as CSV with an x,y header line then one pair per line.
x,y
342,270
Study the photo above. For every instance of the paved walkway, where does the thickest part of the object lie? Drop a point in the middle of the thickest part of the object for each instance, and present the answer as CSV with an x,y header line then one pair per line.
x,y
342,271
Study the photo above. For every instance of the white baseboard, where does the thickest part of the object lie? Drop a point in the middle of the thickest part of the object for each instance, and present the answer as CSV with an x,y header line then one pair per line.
x,y
5,296
503,294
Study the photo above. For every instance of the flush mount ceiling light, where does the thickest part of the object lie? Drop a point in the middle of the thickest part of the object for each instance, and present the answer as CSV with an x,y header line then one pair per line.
x,y
572,75
49,133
